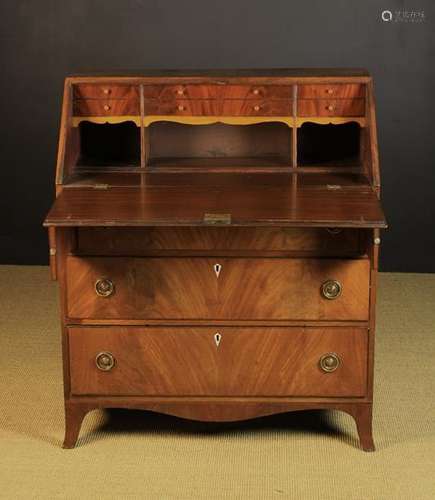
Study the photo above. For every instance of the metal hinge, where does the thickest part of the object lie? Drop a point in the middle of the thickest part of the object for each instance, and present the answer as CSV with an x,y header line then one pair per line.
x,y
217,219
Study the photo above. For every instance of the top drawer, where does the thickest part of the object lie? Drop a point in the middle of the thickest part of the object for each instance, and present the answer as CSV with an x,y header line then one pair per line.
x,y
105,91
198,91
341,91
217,288
143,241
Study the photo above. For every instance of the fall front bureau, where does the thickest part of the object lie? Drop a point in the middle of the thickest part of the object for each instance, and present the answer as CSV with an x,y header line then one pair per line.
x,y
215,237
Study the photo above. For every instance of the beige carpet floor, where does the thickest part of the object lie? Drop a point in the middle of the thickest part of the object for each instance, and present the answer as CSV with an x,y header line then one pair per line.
x,y
121,454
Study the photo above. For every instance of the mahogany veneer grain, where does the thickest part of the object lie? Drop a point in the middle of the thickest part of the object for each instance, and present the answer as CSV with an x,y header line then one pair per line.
x,y
145,241
250,361
188,288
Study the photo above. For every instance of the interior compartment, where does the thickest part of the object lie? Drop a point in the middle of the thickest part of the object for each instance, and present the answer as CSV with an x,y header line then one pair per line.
x,y
109,145
331,145
262,144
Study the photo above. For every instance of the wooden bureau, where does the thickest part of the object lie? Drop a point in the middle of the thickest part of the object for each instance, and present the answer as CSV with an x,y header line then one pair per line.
x,y
215,236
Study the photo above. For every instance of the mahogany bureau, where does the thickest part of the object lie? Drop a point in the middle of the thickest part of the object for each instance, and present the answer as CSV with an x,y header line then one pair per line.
x,y
215,236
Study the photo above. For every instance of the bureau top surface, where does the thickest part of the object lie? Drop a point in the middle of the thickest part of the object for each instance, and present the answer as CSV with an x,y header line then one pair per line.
x,y
250,200
236,74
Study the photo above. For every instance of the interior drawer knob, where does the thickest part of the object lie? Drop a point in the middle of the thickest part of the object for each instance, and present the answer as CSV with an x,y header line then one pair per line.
x,y
257,108
104,287
105,361
329,362
330,91
256,91
331,289
180,92
330,107
181,107
106,91
106,107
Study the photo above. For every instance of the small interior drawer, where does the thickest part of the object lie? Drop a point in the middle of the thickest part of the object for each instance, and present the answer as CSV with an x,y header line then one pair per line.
x,y
198,91
183,107
105,107
224,361
331,107
257,91
214,107
256,107
189,91
105,91
342,91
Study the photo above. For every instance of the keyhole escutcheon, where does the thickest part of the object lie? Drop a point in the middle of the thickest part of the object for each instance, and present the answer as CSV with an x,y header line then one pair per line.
x,y
217,339
217,269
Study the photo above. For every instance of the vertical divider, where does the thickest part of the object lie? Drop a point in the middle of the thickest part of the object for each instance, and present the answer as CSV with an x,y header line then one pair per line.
x,y
295,129
294,145
142,135
362,156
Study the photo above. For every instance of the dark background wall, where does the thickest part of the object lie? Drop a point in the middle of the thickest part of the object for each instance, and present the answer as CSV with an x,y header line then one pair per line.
x,y
43,41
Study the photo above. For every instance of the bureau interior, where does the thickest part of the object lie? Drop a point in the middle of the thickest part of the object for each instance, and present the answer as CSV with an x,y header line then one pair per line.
x,y
334,145
108,145
260,144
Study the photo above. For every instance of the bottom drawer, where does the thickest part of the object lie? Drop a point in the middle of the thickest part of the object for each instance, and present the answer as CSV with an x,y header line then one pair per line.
x,y
227,361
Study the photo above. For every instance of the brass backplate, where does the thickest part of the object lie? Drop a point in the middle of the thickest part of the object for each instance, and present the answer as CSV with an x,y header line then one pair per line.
x,y
217,219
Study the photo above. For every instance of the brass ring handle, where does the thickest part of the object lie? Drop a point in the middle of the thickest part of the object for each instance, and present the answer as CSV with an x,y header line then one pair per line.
x,y
104,287
329,362
331,289
105,361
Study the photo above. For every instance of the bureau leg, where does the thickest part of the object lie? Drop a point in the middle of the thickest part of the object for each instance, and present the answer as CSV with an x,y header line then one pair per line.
x,y
74,415
362,414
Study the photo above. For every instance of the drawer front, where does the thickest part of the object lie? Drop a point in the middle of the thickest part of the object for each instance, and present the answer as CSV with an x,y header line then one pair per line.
x,y
216,288
342,91
183,107
204,361
139,241
105,91
105,107
175,92
256,107
257,91
198,91
213,107
331,107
